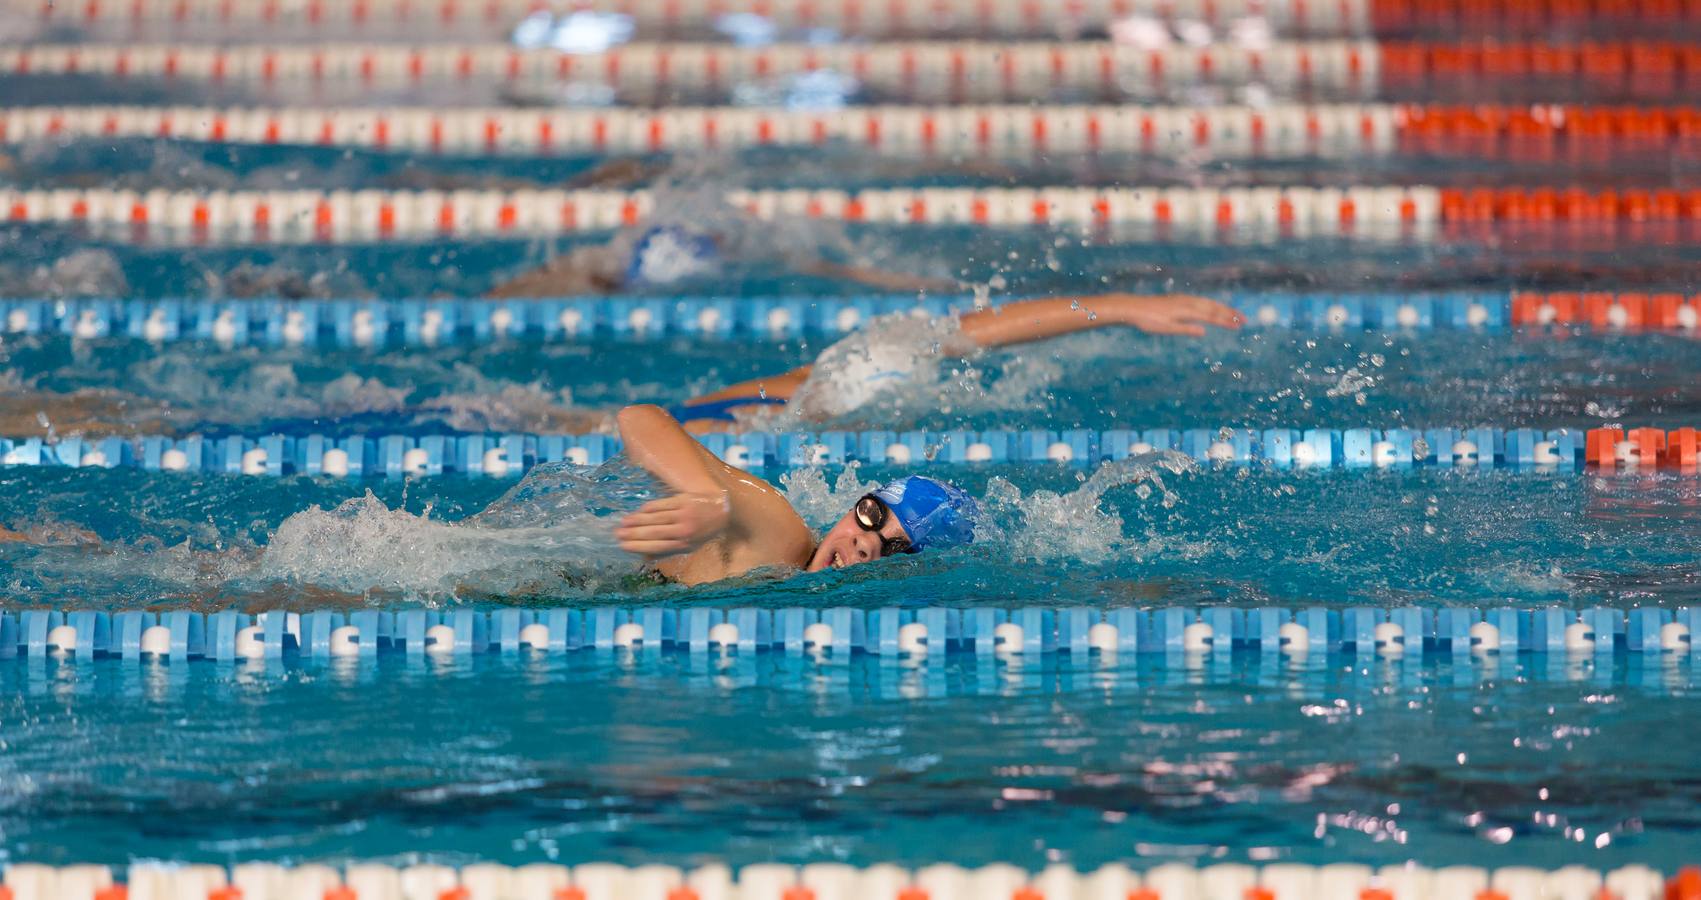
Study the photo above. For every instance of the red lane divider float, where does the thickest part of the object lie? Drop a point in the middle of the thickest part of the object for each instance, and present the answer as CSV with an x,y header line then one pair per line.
x,y
1640,69
1525,133
1546,133
1512,17
1568,205
1613,448
1606,311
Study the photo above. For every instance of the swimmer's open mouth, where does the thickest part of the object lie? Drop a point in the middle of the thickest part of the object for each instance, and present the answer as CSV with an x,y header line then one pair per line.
x,y
838,561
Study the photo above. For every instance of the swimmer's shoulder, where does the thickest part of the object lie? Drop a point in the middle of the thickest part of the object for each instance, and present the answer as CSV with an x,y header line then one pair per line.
x,y
767,531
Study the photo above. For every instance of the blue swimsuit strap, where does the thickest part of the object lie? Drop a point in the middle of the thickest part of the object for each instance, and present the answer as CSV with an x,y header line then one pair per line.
x,y
720,410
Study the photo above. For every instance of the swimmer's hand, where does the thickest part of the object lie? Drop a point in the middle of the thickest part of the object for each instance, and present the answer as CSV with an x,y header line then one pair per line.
x,y
673,525
1179,314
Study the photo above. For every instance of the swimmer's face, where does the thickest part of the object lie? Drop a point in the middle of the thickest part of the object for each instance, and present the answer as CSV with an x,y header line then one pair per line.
x,y
850,541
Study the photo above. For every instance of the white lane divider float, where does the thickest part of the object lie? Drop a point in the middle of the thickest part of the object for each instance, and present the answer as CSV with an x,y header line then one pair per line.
x,y
240,19
317,217
1017,132
983,71
80,635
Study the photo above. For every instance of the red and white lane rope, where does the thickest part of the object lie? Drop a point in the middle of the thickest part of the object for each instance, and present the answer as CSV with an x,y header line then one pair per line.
x,y
865,18
341,216
1530,133
943,70
1279,131
936,70
365,215
131,19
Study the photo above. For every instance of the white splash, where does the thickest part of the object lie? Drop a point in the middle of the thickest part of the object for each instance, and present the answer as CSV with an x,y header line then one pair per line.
x,y
81,273
1042,525
901,366
821,504
551,533
1046,525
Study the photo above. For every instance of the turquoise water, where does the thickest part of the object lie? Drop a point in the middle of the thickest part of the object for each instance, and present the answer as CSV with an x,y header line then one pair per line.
x,y
1111,379
1156,538
682,758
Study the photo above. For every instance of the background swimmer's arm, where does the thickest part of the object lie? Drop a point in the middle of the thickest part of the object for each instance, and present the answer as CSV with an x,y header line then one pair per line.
x,y
1034,320
582,271
779,387
877,278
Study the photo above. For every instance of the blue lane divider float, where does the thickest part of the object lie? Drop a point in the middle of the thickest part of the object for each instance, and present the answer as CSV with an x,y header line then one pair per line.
x,y
509,455
889,631
380,323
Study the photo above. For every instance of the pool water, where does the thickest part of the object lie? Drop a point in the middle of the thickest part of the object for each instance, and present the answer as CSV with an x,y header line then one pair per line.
x,y
1267,378
1164,534
688,758
683,758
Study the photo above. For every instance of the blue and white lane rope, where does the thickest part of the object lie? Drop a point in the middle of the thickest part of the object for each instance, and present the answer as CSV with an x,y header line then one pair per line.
x,y
383,323
889,631
510,455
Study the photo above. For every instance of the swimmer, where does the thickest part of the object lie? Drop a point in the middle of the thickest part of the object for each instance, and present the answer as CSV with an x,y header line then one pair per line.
x,y
723,522
694,233
863,368
664,255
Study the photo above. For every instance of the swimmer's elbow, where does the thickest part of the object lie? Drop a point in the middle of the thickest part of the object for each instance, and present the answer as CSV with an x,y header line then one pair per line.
x,y
639,417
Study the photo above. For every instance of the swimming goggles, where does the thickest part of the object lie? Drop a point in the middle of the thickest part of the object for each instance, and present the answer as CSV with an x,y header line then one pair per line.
x,y
871,513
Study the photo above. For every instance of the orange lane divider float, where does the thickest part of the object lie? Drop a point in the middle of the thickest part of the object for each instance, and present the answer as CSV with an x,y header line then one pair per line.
x,y
1500,17
1568,205
1546,133
1612,448
1606,311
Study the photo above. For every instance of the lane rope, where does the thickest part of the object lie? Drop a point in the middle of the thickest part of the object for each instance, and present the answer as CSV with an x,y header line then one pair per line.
x,y
1553,134
425,323
368,216
1632,450
865,18
982,71
890,631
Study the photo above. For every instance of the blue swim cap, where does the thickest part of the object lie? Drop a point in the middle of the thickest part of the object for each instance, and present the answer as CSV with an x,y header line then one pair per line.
x,y
669,253
933,513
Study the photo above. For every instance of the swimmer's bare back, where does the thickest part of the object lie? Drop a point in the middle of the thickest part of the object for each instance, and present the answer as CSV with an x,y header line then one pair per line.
x,y
580,272
719,523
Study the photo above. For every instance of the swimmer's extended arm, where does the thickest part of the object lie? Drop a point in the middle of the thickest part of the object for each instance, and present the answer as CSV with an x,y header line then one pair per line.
x,y
779,387
711,499
883,279
1035,320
